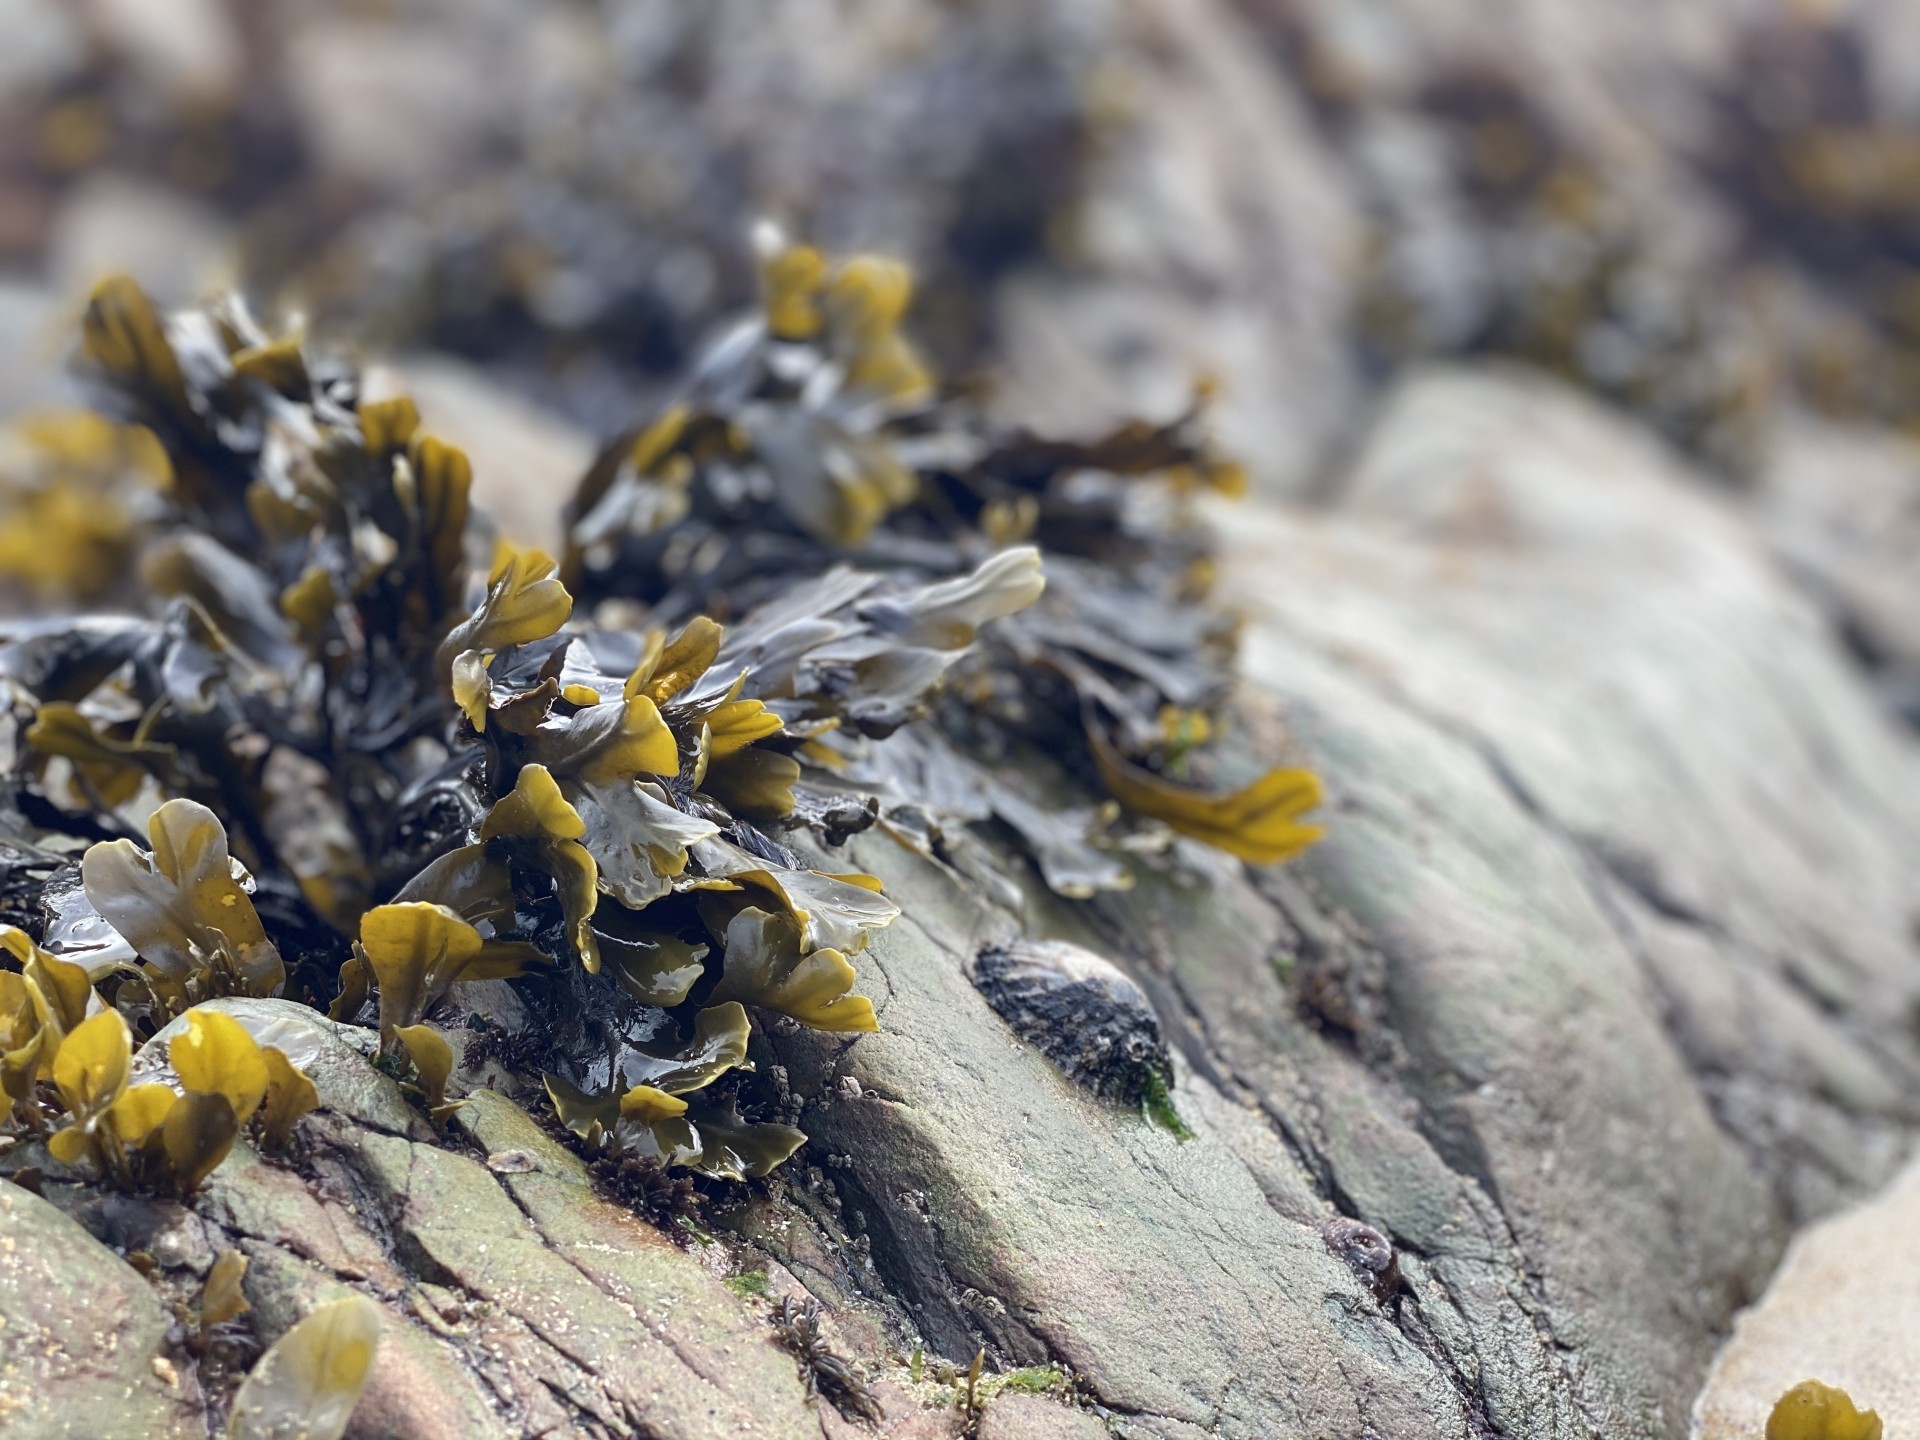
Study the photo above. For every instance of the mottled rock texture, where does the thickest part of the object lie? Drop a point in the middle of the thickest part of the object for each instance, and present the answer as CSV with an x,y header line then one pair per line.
x,y
1602,981
84,1349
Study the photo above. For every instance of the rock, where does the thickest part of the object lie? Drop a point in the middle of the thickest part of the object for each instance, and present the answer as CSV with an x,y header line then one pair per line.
x,y
84,1349
390,102
517,1301
418,1389
1600,984
565,1312
191,48
1013,1211
1214,235
1546,674
334,1056
1546,588
1840,1310
175,247
44,46
34,334
697,1356
1840,505
1559,676
1012,1416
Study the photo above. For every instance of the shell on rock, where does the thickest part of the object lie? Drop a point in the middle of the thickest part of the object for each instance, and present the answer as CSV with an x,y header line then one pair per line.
x,y
1079,1011
1367,1251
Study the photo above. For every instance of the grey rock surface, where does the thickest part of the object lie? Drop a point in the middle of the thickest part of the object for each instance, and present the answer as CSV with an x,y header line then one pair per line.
x,y
1698,1031
1215,234
1840,504
1028,1417
84,1350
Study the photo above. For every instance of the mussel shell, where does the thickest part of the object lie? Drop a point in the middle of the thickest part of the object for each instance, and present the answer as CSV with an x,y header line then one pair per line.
x,y
1079,1011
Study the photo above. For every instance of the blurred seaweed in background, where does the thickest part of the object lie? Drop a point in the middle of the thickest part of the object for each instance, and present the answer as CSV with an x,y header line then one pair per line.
x,y
573,219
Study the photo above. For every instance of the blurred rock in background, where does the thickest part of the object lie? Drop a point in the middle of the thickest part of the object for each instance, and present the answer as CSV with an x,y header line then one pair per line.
x,y
1706,213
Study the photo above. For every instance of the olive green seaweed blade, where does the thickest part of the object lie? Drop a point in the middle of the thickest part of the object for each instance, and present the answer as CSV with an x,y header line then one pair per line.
x,y
181,901
306,1385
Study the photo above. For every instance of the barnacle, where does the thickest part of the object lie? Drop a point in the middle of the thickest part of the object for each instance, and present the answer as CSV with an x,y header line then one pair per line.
x,y
1813,1411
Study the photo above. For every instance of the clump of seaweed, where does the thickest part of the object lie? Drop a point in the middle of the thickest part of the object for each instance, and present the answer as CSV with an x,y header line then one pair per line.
x,y
812,454
490,1043
796,1323
378,753
64,1054
423,773
646,1187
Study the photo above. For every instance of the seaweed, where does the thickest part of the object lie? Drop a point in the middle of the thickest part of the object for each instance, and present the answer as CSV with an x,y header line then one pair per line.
x,y
378,753
1814,1411
812,453
64,1051
311,1378
648,1188
796,1323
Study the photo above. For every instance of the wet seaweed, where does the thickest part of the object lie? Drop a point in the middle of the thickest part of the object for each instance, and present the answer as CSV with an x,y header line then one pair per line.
x,y
1815,1411
349,747
813,441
